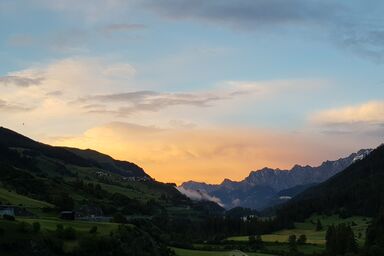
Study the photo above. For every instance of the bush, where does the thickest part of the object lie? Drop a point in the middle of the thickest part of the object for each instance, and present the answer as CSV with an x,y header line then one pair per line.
x,y
36,227
302,239
8,217
93,230
23,227
319,226
68,233
119,218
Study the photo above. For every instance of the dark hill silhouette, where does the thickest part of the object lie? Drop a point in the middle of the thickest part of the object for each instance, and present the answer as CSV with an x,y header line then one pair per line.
x,y
358,190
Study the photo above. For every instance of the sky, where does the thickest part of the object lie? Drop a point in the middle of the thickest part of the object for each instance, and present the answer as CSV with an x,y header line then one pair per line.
x,y
196,89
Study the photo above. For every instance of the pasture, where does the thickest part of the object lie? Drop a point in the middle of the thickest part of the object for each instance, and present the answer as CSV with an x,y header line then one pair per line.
x,y
187,252
277,241
10,197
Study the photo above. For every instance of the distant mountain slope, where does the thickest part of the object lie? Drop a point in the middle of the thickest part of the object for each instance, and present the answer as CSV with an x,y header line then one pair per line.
x,y
359,190
83,158
260,189
69,178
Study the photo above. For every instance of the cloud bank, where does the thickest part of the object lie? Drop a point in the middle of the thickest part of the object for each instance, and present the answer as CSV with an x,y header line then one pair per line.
x,y
199,195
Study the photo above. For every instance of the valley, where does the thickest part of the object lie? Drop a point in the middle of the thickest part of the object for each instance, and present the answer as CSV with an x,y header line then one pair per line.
x,y
79,202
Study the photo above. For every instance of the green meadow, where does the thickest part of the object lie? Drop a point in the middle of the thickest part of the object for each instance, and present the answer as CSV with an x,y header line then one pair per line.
x,y
186,252
277,241
10,197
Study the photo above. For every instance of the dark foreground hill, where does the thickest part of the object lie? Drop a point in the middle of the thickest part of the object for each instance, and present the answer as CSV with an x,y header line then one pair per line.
x,y
70,178
358,190
83,158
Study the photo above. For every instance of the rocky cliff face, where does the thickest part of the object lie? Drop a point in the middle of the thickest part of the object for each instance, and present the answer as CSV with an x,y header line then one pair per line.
x,y
261,186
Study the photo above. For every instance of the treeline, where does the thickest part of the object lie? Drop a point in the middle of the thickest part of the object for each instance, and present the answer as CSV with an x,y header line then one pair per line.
x,y
22,239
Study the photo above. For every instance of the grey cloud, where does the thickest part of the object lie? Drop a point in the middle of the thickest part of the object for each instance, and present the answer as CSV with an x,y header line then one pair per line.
x,y
366,42
358,129
248,13
20,81
123,27
149,101
55,93
5,106
353,25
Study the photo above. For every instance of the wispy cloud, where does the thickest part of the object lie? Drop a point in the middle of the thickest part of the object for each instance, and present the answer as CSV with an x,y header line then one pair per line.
x,y
123,27
9,107
141,101
20,80
247,13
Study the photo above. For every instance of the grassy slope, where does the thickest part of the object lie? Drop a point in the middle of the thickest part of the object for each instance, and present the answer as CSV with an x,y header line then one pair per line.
x,y
185,252
315,239
13,198
308,229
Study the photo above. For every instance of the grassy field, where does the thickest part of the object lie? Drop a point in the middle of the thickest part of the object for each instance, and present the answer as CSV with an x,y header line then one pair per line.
x,y
13,198
315,239
186,252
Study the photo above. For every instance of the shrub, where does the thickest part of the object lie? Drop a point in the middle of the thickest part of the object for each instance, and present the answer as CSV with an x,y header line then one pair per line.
x,y
302,239
93,230
36,227
8,217
69,233
119,218
23,227
319,226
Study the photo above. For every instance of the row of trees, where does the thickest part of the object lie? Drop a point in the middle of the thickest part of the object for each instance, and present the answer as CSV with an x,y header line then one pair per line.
x,y
340,240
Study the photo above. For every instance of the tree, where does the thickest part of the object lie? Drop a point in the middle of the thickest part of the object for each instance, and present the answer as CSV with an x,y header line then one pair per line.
x,y
69,233
340,240
93,230
302,239
8,217
319,226
292,243
63,201
23,227
255,242
251,239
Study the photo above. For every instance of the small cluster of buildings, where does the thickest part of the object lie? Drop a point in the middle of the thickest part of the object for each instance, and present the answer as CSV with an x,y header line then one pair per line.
x,y
7,210
136,179
85,213
13,210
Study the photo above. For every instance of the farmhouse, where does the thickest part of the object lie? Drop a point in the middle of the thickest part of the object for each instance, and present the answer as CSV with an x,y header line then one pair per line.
x,y
6,210
67,215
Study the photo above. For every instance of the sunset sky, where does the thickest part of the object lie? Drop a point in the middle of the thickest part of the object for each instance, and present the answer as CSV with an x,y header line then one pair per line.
x,y
196,89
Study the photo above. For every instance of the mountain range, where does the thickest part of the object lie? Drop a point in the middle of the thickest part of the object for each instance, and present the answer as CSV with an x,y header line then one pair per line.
x,y
357,190
267,187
